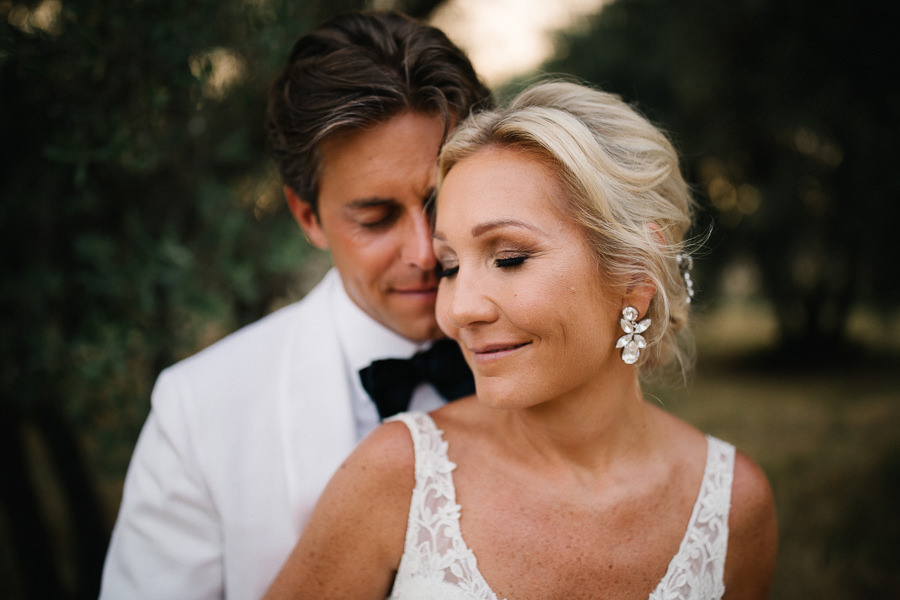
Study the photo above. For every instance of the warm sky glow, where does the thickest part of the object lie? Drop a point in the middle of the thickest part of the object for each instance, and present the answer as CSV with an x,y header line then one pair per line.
x,y
505,38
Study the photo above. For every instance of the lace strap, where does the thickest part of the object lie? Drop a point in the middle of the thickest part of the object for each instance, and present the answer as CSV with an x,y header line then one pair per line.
x,y
698,570
434,495
436,562
717,485
428,445
717,482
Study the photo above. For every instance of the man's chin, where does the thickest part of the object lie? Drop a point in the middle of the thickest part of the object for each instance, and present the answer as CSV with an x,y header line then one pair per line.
x,y
424,296
419,330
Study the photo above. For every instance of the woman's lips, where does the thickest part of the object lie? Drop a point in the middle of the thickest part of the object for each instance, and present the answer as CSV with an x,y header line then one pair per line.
x,y
496,350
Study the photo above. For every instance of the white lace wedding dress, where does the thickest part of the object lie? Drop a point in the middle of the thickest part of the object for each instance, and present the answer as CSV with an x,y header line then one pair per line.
x,y
437,564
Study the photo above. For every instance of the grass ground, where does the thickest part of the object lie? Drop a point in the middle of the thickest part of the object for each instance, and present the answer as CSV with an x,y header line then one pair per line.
x,y
829,440
831,448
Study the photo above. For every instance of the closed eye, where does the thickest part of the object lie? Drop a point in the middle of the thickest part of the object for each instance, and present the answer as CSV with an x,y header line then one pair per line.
x,y
381,221
448,272
512,261
373,213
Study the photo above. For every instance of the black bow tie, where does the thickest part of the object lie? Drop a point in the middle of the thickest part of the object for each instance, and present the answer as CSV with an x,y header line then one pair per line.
x,y
390,382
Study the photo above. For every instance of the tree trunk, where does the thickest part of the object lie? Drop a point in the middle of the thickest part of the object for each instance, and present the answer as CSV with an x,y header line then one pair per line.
x,y
32,547
84,508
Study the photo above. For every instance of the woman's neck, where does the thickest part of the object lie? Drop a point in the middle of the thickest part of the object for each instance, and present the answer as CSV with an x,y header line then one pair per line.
x,y
588,430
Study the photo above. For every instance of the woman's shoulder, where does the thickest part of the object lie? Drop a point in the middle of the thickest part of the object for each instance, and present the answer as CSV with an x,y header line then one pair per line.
x,y
752,502
753,532
388,449
382,467
354,539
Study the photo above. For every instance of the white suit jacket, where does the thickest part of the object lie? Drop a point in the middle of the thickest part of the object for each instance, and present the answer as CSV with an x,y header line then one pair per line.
x,y
240,441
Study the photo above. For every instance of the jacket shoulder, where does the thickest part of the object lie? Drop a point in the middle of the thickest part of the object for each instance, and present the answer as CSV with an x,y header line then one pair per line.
x,y
256,361
257,345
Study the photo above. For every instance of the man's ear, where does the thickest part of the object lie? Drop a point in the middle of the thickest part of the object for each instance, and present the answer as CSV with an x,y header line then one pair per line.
x,y
306,218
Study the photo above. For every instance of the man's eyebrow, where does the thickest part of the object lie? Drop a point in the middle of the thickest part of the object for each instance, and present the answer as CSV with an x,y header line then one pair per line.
x,y
369,202
381,201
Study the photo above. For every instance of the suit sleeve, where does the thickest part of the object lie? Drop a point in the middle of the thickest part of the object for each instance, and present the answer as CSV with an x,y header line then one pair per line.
x,y
166,543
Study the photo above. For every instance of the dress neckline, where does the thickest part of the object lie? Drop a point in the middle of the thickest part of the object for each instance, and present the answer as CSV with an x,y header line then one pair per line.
x,y
673,562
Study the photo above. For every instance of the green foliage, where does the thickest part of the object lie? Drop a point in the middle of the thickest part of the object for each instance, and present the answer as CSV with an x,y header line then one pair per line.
x,y
141,220
785,114
140,215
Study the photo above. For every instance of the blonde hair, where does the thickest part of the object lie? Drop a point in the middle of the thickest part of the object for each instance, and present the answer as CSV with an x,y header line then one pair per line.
x,y
624,188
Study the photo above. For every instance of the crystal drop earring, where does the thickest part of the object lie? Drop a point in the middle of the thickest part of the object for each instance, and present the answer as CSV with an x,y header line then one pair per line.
x,y
632,342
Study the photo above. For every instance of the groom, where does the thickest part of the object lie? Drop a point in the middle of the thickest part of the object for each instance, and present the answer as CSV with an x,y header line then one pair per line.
x,y
242,437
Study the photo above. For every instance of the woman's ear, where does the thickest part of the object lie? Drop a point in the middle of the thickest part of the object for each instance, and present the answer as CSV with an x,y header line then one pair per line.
x,y
641,292
306,218
656,233
639,296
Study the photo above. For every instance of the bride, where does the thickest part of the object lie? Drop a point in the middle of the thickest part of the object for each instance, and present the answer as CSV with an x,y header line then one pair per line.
x,y
559,229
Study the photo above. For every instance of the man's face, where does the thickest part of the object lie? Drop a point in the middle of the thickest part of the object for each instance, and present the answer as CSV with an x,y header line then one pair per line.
x,y
372,193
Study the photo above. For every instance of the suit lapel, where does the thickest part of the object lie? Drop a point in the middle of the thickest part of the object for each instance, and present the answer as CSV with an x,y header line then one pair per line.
x,y
318,426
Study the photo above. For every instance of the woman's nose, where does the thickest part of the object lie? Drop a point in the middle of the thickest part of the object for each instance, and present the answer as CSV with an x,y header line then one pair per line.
x,y
466,301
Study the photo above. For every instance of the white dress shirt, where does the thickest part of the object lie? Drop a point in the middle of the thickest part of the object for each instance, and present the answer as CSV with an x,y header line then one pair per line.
x,y
363,340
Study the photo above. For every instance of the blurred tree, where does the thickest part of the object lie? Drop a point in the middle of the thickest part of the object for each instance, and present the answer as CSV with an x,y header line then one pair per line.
x,y
785,113
420,9
141,219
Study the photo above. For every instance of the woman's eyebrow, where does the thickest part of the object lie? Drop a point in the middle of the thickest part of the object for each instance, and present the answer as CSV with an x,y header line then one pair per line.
x,y
482,228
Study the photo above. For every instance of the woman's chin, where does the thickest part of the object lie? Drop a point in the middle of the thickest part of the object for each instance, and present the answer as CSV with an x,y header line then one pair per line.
x,y
502,395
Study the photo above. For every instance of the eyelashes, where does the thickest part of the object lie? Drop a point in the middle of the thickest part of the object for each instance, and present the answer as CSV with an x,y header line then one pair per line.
x,y
502,263
512,261
382,222
449,272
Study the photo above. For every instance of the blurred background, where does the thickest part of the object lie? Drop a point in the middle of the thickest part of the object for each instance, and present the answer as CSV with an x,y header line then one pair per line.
x,y
142,220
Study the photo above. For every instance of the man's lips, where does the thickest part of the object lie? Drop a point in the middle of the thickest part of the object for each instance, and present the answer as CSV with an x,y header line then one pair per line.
x,y
420,295
427,289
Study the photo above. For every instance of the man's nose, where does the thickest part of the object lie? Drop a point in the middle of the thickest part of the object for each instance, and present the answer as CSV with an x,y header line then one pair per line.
x,y
417,247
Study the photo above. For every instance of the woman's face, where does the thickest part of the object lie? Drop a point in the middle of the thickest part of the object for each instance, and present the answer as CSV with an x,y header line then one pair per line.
x,y
519,289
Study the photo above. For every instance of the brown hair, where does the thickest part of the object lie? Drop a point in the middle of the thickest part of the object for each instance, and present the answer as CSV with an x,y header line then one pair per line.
x,y
356,70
